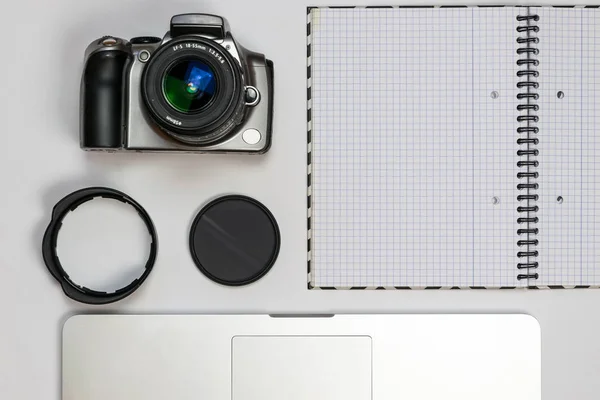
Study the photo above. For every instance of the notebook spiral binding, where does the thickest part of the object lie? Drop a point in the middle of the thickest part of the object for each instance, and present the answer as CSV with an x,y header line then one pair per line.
x,y
528,141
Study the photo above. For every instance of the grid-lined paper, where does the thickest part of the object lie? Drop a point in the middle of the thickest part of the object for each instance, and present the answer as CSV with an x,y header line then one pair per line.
x,y
569,147
494,120
413,147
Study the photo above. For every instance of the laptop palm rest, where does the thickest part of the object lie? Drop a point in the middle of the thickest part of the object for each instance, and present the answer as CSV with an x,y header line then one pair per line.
x,y
341,357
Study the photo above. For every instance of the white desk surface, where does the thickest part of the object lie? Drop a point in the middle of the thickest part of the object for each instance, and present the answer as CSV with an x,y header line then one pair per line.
x,y
40,163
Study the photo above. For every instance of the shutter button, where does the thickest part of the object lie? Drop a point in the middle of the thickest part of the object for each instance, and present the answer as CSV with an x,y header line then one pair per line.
x,y
109,42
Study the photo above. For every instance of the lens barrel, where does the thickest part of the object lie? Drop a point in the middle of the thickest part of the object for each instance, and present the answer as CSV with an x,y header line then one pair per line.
x,y
193,90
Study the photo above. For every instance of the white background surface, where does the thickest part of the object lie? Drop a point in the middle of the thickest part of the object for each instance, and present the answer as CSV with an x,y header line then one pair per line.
x,y
40,163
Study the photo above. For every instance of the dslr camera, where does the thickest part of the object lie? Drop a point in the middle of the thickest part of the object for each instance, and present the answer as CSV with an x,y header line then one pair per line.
x,y
197,90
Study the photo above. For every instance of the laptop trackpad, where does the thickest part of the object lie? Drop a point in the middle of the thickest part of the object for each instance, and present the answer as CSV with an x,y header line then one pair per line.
x,y
301,367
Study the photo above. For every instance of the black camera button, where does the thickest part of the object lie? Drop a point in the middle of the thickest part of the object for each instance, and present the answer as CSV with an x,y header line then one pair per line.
x,y
252,96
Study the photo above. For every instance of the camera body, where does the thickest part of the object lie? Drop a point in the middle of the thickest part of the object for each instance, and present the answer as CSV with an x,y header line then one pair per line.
x,y
196,91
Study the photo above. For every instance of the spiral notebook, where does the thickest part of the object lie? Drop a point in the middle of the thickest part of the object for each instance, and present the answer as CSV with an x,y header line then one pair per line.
x,y
453,147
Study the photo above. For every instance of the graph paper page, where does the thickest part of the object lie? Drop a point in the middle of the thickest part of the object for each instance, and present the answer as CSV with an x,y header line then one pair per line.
x,y
569,183
413,147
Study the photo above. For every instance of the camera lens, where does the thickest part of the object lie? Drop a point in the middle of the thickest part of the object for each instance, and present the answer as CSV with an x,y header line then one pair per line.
x,y
194,91
190,85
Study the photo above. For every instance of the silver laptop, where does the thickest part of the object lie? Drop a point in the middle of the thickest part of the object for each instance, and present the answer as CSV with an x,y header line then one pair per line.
x,y
342,357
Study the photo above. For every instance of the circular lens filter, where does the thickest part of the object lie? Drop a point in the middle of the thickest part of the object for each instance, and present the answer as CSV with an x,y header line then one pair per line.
x,y
234,240
102,253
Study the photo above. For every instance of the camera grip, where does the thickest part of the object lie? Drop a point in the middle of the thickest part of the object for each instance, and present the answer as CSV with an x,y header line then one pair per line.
x,y
102,100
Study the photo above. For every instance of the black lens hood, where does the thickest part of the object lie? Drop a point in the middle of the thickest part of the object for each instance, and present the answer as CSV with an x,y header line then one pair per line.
x,y
73,290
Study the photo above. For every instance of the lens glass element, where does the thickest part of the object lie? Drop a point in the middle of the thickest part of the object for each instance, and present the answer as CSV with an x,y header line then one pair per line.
x,y
189,85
